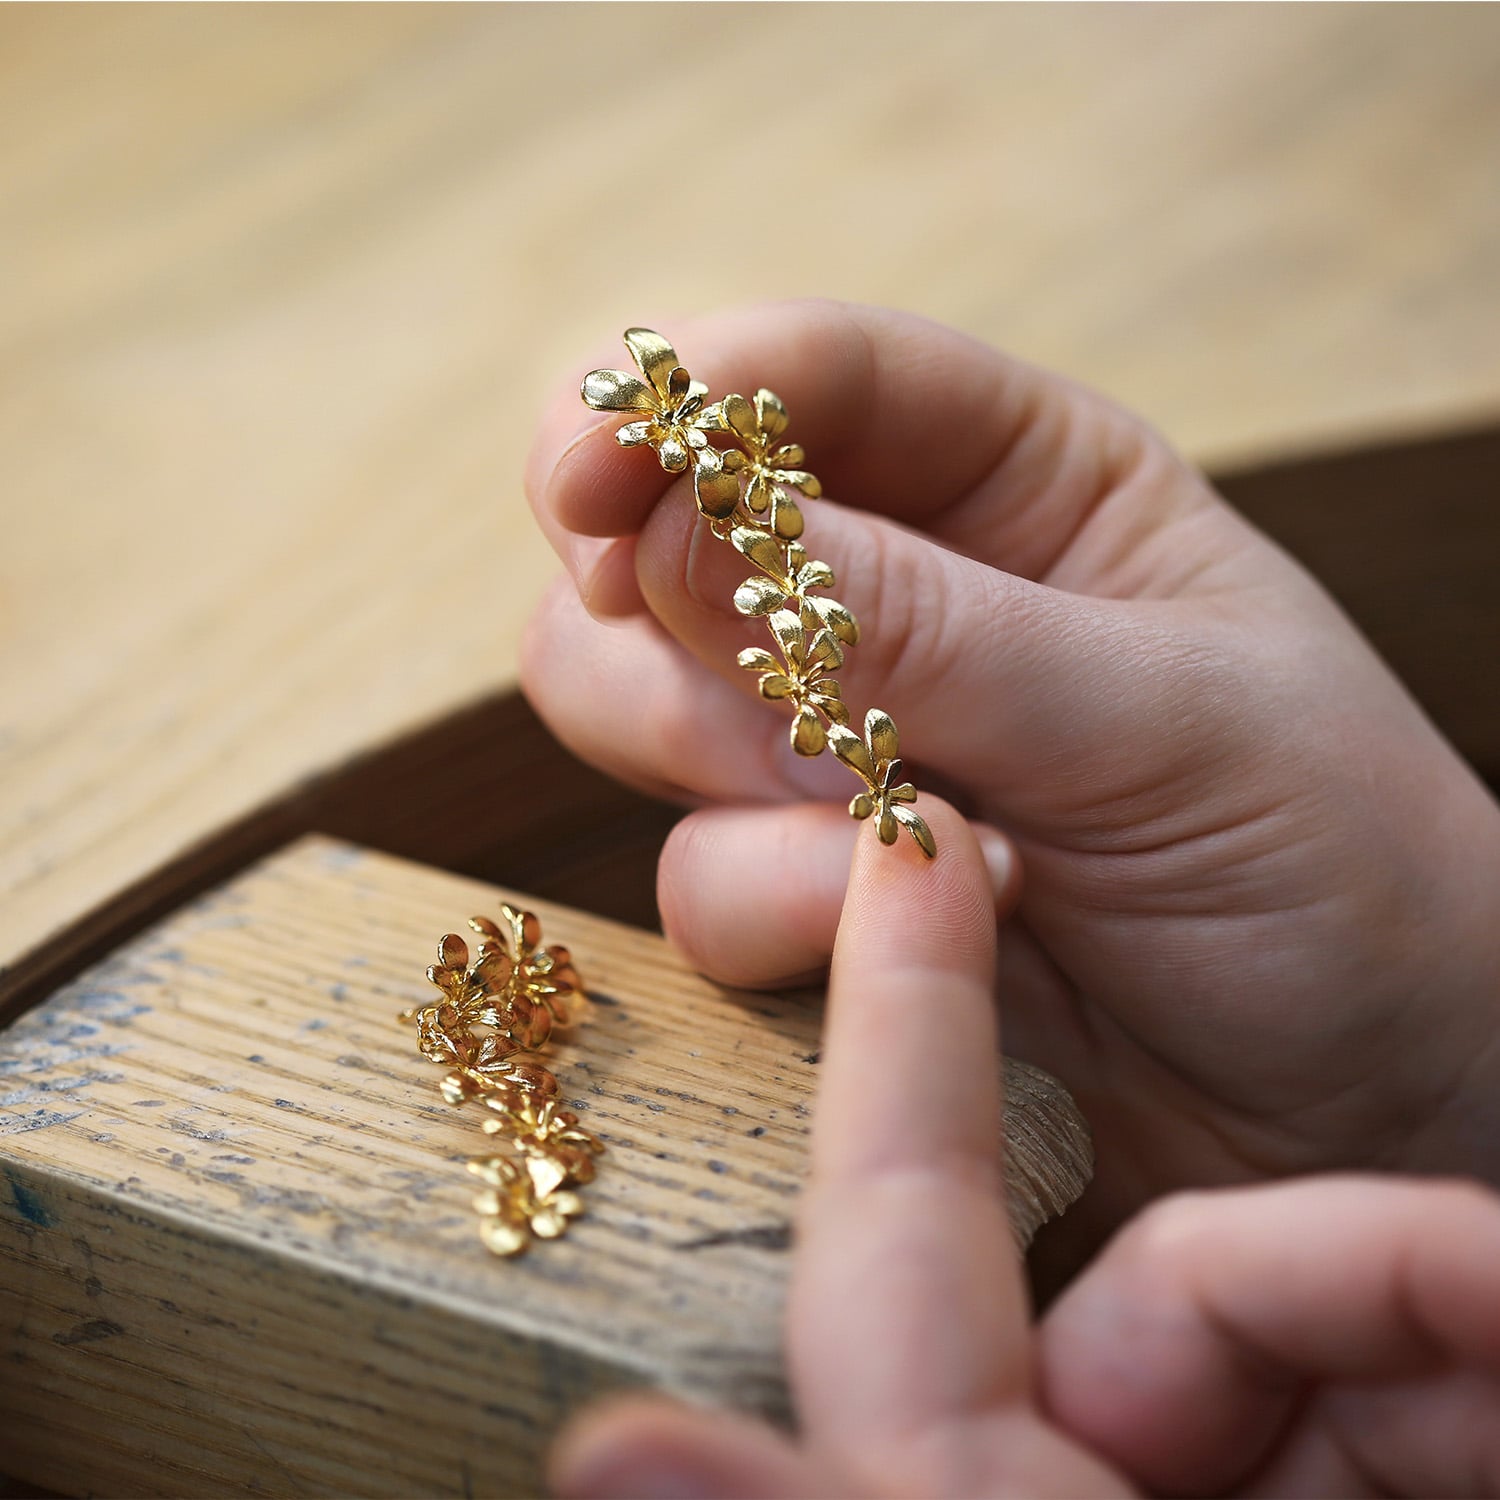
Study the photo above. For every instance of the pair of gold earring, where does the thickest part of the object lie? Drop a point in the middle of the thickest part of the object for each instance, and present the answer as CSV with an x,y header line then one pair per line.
x,y
518,991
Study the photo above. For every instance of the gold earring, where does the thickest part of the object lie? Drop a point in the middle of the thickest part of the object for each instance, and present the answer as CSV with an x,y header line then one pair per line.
x,y
744,492
520,992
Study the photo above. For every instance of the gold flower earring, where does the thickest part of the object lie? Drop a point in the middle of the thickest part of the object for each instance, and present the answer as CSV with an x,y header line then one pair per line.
x,y
518,992
745,493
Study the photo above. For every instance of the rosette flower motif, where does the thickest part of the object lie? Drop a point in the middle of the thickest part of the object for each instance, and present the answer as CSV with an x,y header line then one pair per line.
x,y
768,467
484,1064
673,419
800,678
525,1197
876,761
539,985
467,986
529,1126
789,574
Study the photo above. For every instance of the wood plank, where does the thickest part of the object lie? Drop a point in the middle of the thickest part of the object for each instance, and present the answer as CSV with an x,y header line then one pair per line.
x,y
283,287
238,1249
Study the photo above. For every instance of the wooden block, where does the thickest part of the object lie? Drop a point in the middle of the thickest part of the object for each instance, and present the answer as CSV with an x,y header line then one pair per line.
x,y
238,1242
238,1249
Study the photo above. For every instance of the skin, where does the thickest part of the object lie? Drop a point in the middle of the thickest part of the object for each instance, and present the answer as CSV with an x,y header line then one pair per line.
x,y
1334,1336
1256,931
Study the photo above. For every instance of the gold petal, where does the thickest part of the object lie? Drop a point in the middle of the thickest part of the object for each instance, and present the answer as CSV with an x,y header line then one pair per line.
x,y
786,519
446,976
838,619
490,935
906,792
917,829
758,596
834,711
808,734
739,417
614,390
568,1203
679,386
757,493
547,1174
756,659
885,826
488,1202
524,926
861,806
761,548
824,650
787,629
494,1170
771,412
775,685
634,434
852,751
455,1088
800,479
815,575
547,1223
453,951
789,457
709,418
653,355
880,731
673,455
717,491
503,1238
493,969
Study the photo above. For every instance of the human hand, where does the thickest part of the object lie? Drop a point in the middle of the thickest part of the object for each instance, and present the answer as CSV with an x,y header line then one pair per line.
x,y
1258,930
1336,1336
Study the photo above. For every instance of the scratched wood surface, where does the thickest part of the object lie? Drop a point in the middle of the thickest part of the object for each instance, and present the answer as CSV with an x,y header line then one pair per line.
x,y
238,1249
237,1252
281,289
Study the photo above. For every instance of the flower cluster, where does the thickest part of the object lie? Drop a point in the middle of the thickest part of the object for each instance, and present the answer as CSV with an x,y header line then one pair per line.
x,y
519,993
745,492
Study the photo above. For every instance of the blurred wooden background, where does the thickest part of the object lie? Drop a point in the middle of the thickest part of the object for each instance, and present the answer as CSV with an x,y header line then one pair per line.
x,y
283,288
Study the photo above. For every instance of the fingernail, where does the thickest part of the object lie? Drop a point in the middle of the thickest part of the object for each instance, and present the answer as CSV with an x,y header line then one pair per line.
x,y
1000,858
541,470
582,557
638,1481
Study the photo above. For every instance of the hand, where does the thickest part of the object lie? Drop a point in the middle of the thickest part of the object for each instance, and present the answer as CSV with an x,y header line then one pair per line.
x,y
1331,1337
1258,931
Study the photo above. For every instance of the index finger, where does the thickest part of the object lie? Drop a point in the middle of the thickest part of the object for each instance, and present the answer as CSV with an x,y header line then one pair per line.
x,y
908,1312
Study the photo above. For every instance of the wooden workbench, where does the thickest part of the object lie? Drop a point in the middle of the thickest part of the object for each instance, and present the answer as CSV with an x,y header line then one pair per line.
x,y
282,290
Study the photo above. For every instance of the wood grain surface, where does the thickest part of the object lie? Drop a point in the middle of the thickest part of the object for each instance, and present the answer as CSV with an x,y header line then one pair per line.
x,y
282,290
237,1253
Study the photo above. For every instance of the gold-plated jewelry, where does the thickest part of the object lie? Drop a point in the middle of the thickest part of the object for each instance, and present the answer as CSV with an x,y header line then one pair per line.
x,y
744,491
518,992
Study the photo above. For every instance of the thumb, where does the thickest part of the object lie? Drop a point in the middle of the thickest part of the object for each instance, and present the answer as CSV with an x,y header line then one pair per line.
x,y
993,679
